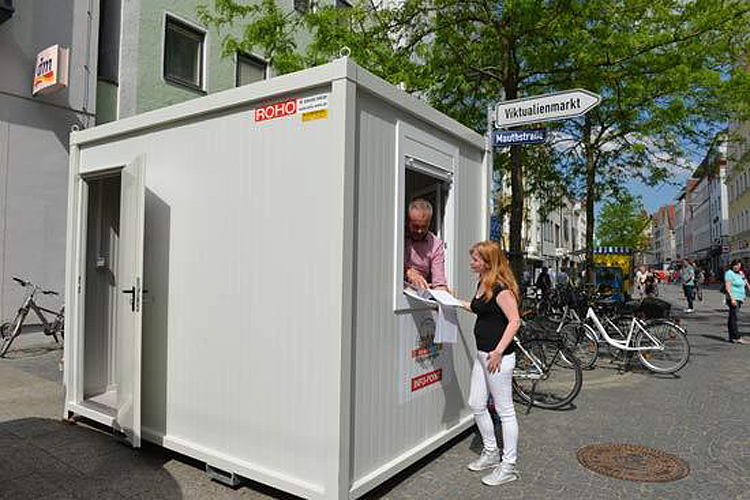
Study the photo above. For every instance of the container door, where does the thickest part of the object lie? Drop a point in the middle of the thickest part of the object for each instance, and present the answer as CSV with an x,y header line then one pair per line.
x,y
129,309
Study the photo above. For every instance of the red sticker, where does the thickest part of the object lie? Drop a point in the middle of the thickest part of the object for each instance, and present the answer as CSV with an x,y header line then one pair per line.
x,y
276,110
426,379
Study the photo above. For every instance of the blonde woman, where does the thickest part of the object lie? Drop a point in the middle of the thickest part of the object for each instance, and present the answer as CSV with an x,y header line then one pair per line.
x,y
496,305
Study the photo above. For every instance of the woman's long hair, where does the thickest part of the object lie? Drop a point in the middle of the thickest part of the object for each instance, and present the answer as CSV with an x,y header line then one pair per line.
x,y
499,272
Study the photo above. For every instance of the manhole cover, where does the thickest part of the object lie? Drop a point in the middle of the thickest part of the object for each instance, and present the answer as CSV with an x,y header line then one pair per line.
x,y
633,463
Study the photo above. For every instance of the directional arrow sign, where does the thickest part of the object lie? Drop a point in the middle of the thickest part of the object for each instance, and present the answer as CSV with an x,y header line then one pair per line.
x,y
545,108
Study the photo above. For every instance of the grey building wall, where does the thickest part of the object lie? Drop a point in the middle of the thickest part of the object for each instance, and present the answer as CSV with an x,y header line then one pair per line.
x,y
141,84
34,135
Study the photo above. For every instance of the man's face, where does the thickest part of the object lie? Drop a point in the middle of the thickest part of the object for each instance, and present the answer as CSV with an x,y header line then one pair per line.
x,y
419,224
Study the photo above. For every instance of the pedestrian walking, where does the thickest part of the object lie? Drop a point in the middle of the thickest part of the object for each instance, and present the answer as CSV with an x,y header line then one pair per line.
x,y
496,305
700,279
735,285
688,284
640,281
649,285
544,283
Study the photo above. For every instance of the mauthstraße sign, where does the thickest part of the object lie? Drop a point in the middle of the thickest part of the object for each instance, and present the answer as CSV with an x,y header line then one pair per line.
x,y
545,108
503,138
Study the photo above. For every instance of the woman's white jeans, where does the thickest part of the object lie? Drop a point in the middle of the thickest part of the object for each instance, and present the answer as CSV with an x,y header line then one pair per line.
x,y
499,384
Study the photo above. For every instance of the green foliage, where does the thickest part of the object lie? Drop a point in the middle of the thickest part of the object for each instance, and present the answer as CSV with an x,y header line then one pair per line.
x,y
622,223
671,72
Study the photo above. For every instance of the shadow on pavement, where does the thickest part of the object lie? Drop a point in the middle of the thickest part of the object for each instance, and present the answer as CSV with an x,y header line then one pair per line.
x,y
715,337
45,458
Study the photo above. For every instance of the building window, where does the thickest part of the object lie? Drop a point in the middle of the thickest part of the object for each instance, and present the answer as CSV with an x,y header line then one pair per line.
x,y
250,69
109,40
183,54
302,6
343,4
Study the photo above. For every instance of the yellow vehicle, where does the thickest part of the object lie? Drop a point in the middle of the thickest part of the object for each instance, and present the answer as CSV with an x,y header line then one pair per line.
x,y
613,268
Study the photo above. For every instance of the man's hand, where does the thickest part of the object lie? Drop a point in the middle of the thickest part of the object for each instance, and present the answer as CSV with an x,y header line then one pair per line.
x,y
416,279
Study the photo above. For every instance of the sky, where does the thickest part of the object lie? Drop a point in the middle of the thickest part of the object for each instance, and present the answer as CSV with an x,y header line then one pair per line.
x,y
655,197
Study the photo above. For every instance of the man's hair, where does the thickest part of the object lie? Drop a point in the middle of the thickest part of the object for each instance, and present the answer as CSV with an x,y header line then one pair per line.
x,y
421,205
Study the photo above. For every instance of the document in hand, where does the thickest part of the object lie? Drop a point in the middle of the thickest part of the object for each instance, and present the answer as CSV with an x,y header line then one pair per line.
x,y
445,298
446,323
446,330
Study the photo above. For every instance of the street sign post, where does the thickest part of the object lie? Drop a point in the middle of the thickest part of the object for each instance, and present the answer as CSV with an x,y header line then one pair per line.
x,y
503,138
545,108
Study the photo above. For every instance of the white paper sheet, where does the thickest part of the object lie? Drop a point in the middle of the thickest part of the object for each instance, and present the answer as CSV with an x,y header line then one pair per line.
x,y
445,298
446,327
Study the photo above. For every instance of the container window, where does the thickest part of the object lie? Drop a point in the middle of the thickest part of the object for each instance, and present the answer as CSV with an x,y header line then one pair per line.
x,y
250,69
425,166
183,54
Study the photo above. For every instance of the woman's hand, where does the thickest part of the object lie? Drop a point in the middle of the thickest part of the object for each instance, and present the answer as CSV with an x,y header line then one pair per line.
x,y
494,358
734,303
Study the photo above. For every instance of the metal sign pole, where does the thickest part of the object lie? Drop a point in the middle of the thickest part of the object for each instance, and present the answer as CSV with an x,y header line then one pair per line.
x,y
489,169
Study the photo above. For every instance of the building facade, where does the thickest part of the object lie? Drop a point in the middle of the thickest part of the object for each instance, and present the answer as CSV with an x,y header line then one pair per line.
x,y
663,242
552,238
702,212
34,132
738,190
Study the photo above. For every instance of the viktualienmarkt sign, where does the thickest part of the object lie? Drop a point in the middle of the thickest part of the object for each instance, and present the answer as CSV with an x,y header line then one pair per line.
x,y
545,108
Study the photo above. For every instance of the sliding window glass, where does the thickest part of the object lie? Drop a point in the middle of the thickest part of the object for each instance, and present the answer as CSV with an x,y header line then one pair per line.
x,y
183,54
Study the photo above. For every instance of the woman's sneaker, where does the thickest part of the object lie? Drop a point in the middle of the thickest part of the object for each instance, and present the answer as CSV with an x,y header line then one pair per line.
x,y
486,460
503,473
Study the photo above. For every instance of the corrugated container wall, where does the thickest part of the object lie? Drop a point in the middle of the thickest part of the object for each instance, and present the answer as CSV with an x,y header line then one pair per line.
x,y
264,330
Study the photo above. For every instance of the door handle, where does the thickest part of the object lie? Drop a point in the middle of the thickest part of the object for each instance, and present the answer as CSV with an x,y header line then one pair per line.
x,y
131,291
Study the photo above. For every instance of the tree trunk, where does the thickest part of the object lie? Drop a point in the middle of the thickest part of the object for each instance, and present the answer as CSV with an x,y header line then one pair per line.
x,y
516,212
590,198
516,177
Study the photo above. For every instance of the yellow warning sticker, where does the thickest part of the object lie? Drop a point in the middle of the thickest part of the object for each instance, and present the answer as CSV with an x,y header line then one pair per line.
x,y
315,115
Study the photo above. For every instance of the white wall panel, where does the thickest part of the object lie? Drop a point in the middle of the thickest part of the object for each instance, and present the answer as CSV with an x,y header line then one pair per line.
x,y
248,223
384,427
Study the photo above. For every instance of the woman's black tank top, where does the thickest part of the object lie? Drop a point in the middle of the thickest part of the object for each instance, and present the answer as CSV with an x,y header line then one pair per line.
x,y
491,323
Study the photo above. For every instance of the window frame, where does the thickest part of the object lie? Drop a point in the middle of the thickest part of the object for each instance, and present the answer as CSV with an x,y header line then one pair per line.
x,y
428,155
308,7
238,56
187,26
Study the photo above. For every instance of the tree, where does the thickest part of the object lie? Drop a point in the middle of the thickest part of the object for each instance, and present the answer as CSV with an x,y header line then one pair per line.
x,y
665,68
622,223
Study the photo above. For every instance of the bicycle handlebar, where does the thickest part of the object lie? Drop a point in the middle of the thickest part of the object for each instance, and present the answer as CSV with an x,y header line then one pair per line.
x,y
25,283
21,282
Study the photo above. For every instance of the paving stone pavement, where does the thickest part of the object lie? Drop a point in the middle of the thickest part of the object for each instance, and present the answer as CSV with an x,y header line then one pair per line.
x,y
699,415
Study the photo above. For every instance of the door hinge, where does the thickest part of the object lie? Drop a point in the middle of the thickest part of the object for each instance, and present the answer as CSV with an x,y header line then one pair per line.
x,y
79,284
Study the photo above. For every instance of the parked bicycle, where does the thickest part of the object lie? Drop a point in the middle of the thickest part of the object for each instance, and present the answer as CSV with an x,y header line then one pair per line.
x,y
53,326
660,345
547,374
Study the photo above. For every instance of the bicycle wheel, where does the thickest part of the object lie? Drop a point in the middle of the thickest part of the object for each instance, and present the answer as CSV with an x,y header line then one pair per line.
x,y
559,381
673,356
7,335
580,339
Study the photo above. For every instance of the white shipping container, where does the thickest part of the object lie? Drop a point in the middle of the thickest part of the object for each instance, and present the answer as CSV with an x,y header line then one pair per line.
x,y
234,282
